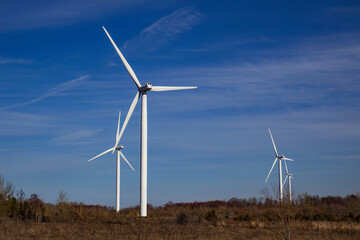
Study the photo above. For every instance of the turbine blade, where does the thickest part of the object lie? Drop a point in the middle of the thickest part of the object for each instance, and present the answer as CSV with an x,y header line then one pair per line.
x,y
109,150
164,88
273,143
286,168
271,170
118,128
128,68
126,161
131,110
285,181
288,159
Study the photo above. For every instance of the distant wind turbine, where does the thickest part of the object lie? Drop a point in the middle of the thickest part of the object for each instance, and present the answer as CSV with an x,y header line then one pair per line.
x,y
118,154
142,91
290,176
278,157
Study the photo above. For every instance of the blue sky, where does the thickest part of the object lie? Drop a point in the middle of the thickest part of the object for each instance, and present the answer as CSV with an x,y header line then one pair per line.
x,y
293,67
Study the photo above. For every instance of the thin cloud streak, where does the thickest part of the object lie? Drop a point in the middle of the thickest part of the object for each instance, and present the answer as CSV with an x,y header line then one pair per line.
x,y
24,124
346,10
165,29
38,13
4,60
52,92
220,46
305,74
78,137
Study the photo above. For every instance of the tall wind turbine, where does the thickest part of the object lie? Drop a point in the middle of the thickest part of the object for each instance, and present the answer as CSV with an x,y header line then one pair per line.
x,y
118,154
142,91
290,176
278,157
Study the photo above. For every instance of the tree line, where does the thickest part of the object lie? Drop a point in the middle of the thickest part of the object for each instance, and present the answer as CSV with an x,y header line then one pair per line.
x,y
304,207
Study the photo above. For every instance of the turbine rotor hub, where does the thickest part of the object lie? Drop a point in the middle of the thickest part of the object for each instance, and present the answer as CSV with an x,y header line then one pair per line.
x,y
146,87
119,147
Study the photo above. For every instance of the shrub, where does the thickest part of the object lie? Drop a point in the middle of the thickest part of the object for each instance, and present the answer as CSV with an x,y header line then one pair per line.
x,y
182,218
34,208
243,218
211,216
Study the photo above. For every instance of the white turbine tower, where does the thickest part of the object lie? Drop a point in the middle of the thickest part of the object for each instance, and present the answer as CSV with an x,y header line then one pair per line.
x,y
278,157
290,176
142,91
118,154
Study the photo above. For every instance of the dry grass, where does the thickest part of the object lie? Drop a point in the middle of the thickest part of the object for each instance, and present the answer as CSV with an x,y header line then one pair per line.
x,y
336,226
151,228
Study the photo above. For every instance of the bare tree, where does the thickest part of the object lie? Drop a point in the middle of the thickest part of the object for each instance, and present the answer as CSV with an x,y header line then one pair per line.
x,y
62,198
6,189
21,199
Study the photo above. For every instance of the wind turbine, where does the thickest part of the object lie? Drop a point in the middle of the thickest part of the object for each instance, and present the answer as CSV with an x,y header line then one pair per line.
x,y
142,91
290,176
278,157
118,154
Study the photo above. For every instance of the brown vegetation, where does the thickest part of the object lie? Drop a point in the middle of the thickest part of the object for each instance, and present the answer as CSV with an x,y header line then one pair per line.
x,y
308,217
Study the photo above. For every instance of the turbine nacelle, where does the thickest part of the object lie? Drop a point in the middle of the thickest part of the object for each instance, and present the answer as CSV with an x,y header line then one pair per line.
x,y
119,147
146,87
280,157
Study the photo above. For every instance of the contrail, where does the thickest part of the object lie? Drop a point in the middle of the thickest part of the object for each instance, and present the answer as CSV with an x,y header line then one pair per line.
x,y
52,92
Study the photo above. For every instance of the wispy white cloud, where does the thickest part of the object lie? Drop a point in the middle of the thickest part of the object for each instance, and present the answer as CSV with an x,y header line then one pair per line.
x,y
24,124
39,13
313,72
113,64
346,10
4,60
222,45
52,92
78,137
343,157
165,29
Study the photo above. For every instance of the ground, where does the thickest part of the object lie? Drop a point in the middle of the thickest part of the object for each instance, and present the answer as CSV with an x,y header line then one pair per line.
x,y
160,229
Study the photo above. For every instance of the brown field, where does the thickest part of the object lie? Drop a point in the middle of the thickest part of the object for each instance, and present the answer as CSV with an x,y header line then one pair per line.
x,y
307,217
159,229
